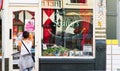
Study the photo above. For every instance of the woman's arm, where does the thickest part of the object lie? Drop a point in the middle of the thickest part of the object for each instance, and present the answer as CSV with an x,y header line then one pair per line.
x,y
31,38
19,46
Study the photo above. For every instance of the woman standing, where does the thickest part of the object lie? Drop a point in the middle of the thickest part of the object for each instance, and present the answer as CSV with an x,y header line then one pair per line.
x,y
24,46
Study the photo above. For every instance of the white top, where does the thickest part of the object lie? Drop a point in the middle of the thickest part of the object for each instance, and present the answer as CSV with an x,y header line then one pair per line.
x,y
24,50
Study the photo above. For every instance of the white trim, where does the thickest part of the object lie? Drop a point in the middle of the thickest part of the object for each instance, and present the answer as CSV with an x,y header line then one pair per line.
x,y
68,57
23,1
4,16
94,22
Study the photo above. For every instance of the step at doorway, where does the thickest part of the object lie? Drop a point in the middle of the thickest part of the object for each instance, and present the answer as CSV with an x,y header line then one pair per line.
x,y
18,69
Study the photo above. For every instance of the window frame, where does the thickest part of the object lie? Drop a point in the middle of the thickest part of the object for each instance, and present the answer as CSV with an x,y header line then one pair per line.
x,y
77,57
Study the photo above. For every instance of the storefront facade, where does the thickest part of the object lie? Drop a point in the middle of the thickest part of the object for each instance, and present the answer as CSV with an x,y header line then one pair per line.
x,y
68,35
74,34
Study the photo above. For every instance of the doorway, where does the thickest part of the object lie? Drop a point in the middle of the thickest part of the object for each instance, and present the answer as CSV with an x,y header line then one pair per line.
x,y
20,25
23,19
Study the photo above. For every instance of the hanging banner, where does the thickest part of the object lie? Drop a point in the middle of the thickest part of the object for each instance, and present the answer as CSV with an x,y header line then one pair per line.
x,y
1,4
29,25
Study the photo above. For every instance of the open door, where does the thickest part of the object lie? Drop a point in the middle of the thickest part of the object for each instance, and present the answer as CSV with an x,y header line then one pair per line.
x,y
23,19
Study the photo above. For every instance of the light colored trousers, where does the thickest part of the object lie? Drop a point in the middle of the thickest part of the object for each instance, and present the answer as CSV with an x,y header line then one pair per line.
x,y
28,69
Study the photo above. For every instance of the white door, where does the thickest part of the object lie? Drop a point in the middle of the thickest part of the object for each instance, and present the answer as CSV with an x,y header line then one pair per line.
x,y
24,19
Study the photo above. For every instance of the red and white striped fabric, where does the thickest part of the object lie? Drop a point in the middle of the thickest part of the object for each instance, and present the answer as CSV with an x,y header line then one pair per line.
x,y
48,18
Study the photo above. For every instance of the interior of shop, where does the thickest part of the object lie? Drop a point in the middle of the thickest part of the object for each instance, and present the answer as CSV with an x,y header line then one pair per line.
x,y
75,37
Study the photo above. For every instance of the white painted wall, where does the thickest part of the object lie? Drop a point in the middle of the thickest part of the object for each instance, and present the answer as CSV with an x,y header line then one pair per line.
x,y
5,32
23,1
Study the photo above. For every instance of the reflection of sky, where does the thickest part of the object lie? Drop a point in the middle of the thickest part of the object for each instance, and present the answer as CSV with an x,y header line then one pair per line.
x,y
70,30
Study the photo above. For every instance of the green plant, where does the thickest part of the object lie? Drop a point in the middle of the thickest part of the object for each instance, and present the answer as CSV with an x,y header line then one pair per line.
x,y
54,50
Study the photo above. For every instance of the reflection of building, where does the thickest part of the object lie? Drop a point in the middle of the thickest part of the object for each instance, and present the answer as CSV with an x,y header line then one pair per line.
x,y
50,12
63,15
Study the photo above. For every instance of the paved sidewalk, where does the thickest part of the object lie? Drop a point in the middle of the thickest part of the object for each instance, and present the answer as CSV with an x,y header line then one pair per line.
x,y
18,69
15,70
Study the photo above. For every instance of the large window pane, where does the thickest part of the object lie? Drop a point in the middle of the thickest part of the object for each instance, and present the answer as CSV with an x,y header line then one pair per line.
x,y
71,35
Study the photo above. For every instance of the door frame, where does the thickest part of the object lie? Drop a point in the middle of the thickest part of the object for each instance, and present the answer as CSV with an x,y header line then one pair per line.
x,y
37,32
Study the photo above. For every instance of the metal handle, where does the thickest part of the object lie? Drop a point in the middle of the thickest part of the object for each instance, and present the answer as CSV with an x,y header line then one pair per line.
x,y
10,33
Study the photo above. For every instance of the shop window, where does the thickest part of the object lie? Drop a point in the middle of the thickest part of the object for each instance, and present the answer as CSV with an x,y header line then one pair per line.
x,y
73,37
